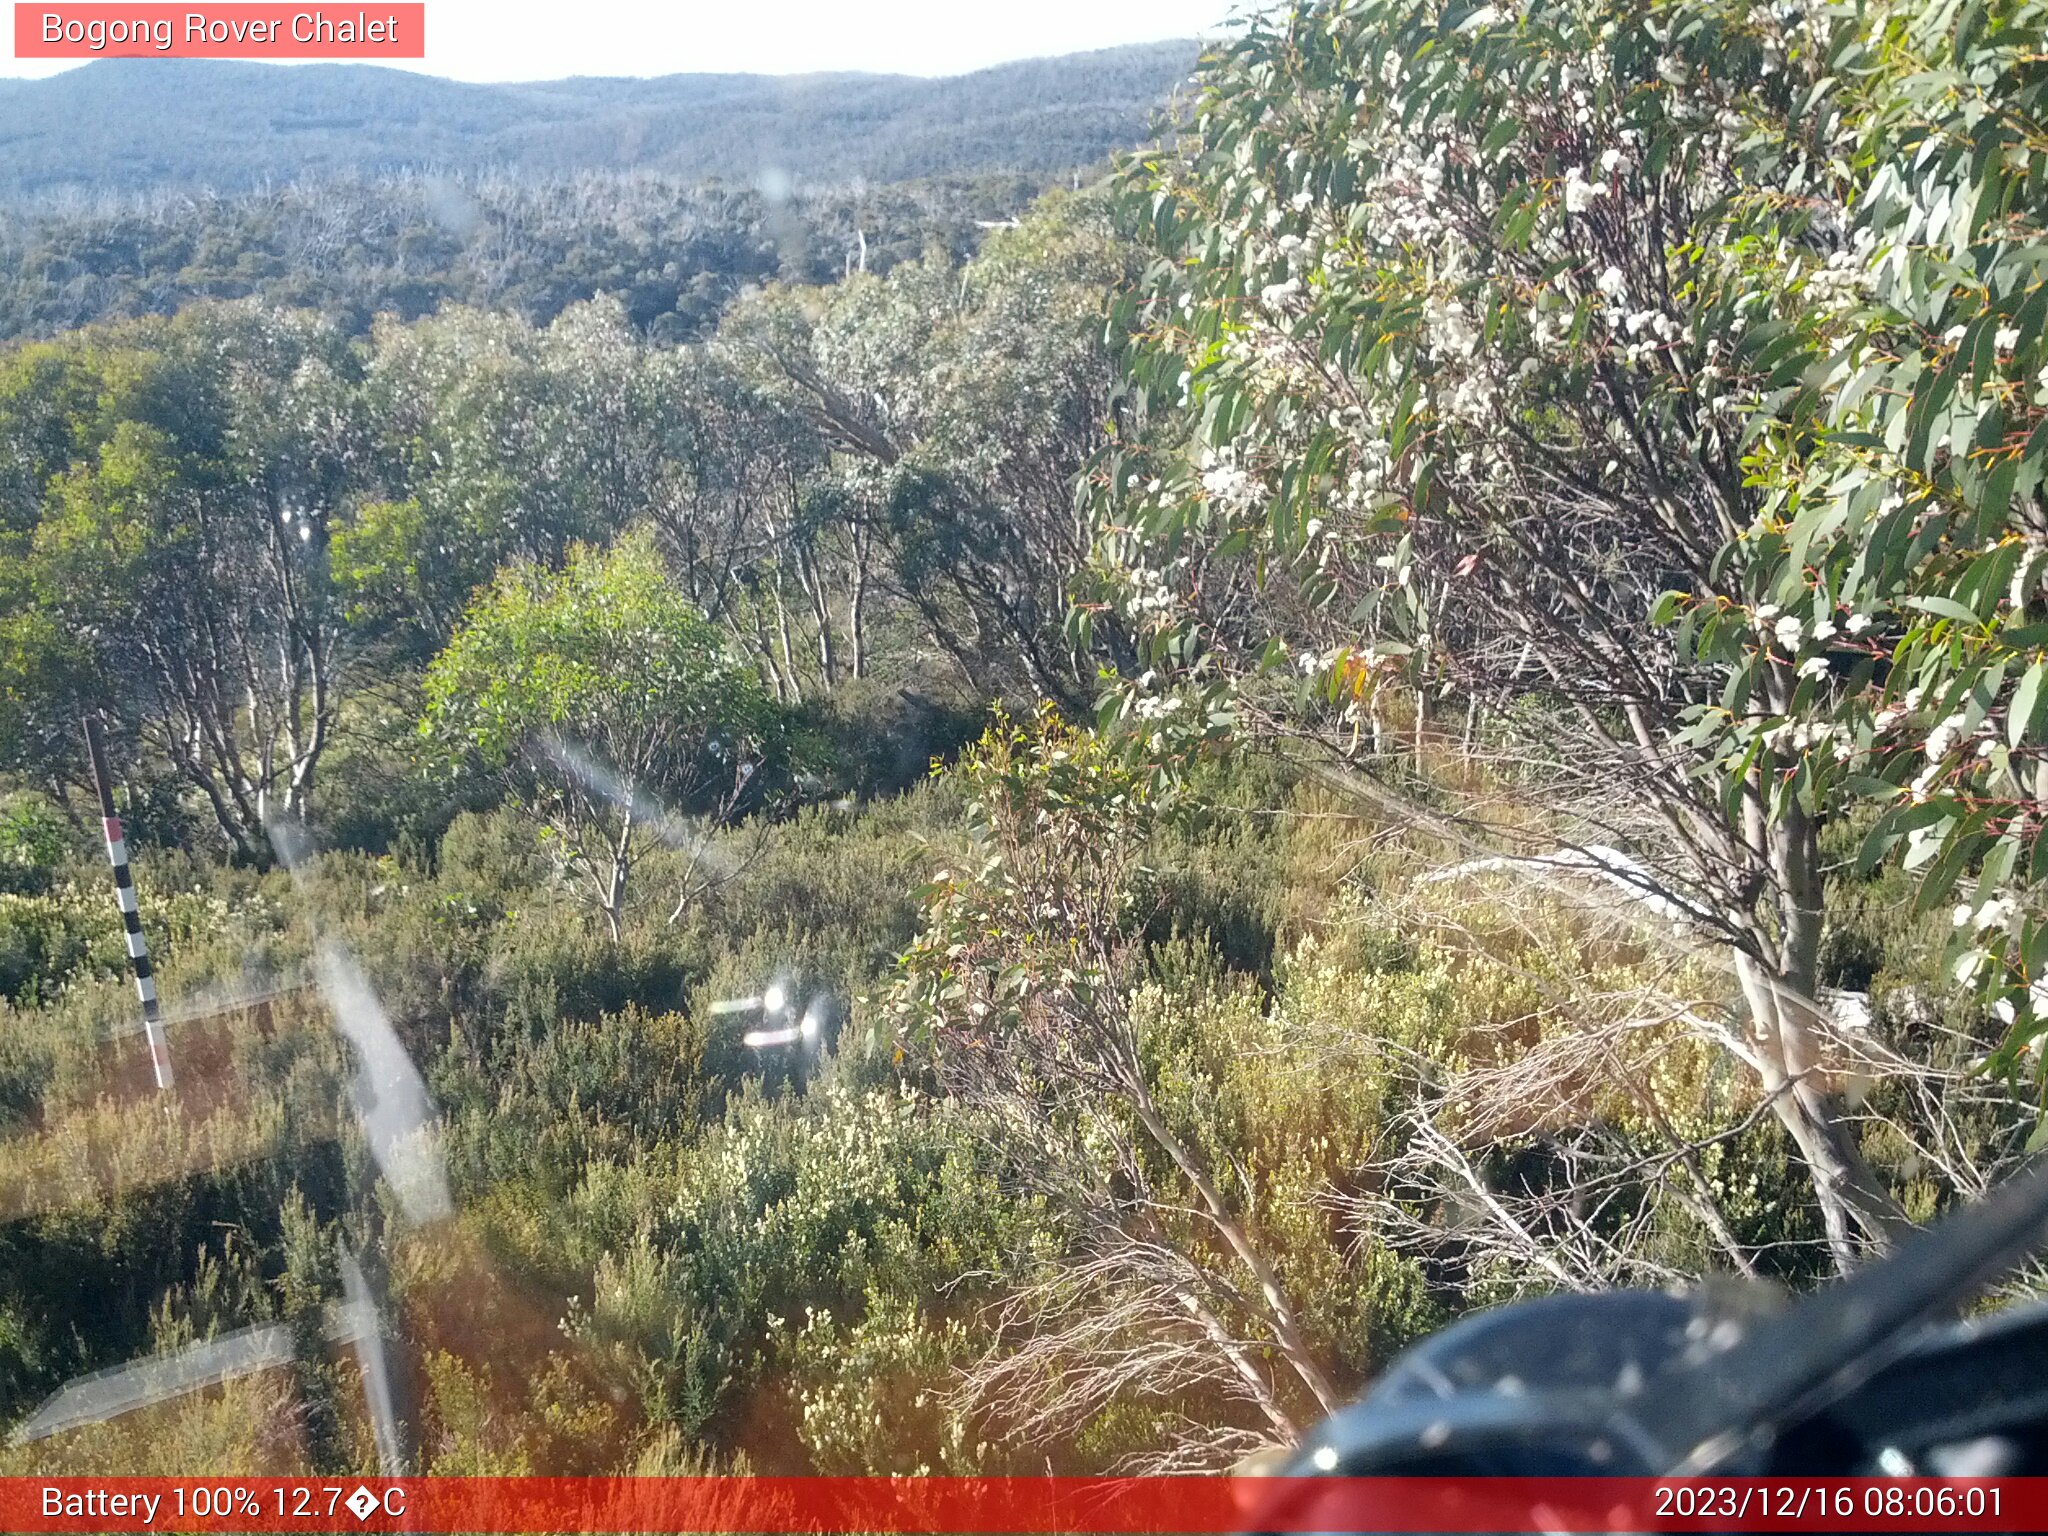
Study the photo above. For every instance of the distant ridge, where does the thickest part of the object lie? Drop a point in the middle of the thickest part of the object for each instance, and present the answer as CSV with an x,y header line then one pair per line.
x,y
130,125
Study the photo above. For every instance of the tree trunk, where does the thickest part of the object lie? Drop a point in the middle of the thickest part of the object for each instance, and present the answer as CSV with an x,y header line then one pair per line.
x,y
813,583
856,606
1786,1026
614,903
1280,1311
1256,1384
788,650
1854,1203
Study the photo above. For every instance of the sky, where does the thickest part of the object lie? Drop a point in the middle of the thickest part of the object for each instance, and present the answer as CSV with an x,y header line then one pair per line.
x,y
548,39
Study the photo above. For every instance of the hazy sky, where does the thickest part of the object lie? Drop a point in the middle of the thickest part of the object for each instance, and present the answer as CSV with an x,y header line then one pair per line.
x,y
546,39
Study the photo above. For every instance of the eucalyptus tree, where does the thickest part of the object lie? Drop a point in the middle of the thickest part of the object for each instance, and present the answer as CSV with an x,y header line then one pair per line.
x,y
754,537
504,441
957,403
1462,325
45,684
46,392
178,553
608,705
1887,638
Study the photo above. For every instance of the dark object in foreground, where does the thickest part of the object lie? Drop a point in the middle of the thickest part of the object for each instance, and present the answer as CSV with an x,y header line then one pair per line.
x,y
1871,1377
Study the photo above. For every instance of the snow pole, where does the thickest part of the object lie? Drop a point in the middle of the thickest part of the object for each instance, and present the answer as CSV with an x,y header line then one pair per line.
x,y
131,917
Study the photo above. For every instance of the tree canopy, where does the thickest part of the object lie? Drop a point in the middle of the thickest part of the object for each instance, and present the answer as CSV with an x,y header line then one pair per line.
x,y
1501,333
611,699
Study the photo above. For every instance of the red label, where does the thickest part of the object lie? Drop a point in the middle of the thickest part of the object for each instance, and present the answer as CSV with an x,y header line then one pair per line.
x,y
1050,1506
219,32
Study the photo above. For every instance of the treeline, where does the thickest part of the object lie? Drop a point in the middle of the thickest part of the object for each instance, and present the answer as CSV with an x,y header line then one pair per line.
x,y
673,252
226,529
189,125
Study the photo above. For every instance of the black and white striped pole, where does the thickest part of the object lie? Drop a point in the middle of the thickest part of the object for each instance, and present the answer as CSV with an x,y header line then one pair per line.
x,y
131,918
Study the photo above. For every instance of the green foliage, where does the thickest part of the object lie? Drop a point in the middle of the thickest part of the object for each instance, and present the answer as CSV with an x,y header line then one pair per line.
x,y
539,1104
1404,277
1058,816
674,252
703,1267
34,838
1484,357
610,703
1895,561
504,442
607,653
870,1394
243,492
46,940
1595,369
1296,1134
955,403
172,499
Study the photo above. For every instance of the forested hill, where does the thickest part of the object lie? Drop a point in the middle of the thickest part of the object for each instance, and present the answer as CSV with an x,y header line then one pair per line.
x,y
125,125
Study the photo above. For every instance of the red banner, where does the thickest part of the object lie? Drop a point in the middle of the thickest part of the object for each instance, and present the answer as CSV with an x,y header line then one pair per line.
x,y
1197,1506
232,31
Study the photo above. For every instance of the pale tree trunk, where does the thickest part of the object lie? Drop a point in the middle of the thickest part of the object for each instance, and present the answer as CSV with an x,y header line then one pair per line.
x,y
1247,1372
1787,1027
1281,1319
788,648
813,583
856,604
1777,967
764,651
613,900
